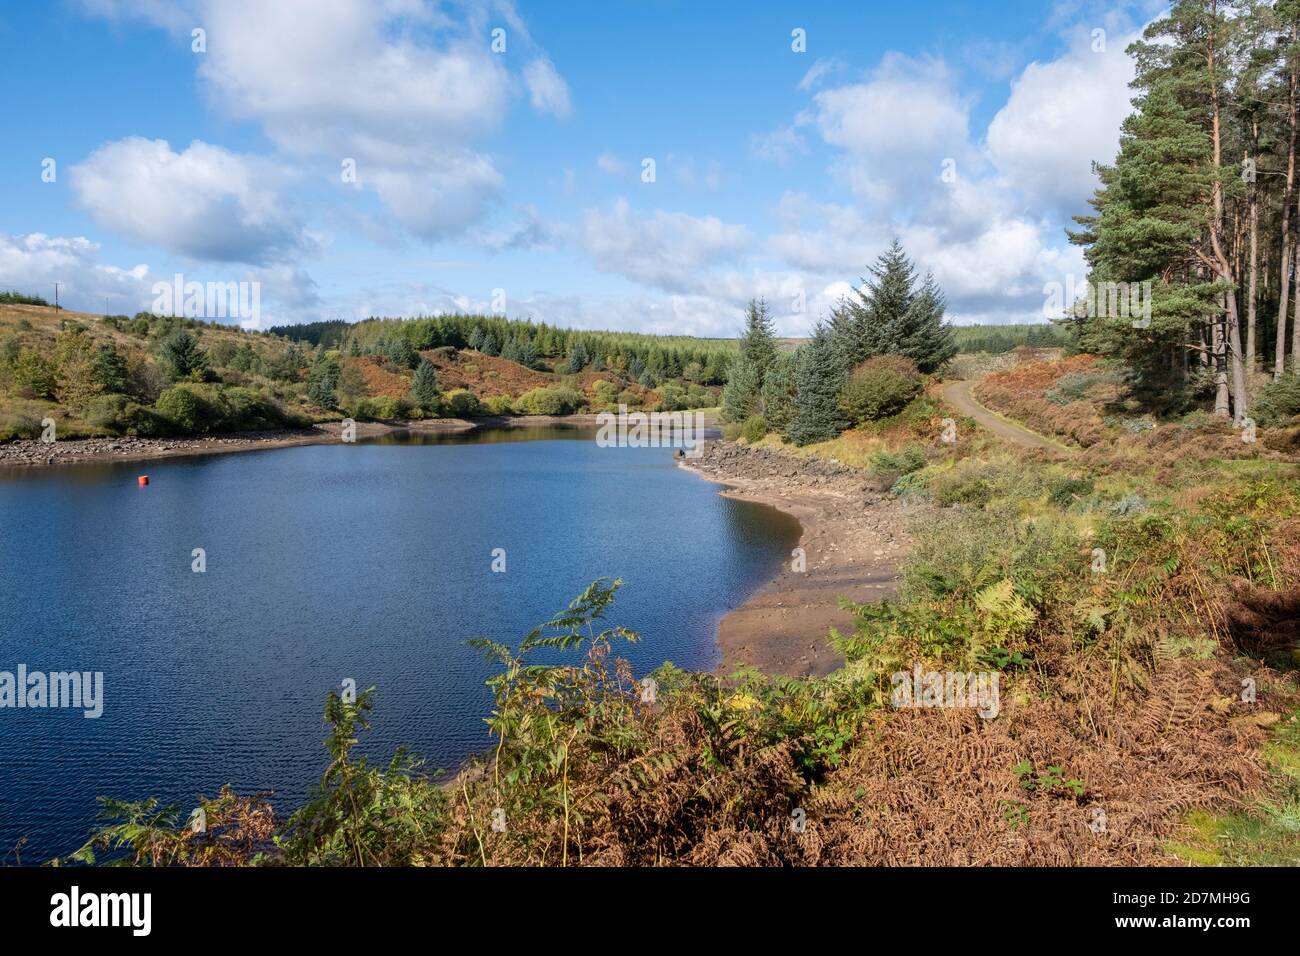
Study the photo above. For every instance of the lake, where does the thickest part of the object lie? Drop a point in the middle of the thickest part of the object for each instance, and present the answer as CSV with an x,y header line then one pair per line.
x,y
370,561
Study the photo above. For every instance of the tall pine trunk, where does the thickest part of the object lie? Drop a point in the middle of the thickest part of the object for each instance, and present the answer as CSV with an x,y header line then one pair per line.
x,y
1253,267
1284,285
1229,339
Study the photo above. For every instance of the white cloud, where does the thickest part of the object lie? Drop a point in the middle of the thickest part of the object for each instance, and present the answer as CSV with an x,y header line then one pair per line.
x,y
528,230
825,238
397,86
897,127
1060,117
663,250
204,202
32,263
546,89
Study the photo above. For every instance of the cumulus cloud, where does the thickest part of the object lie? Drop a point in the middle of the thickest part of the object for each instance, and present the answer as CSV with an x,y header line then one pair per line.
x,y
204,202
897,127
1061,116
406,89
33,262
665,250
992,233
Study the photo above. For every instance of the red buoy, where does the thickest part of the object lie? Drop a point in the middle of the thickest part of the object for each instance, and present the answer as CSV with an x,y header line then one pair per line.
x,y
142,480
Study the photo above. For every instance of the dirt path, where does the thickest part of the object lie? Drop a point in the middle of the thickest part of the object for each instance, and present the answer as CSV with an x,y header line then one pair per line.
x,y
853,540
958,395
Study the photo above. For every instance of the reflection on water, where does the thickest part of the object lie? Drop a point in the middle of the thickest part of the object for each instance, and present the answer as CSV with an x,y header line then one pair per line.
x,y
369,561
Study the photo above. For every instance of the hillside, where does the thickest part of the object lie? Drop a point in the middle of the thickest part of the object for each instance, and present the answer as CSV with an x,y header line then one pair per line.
x,y
160,375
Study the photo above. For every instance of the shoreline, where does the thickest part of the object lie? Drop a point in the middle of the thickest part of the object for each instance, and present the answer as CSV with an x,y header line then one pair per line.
x,y
853,538
32,453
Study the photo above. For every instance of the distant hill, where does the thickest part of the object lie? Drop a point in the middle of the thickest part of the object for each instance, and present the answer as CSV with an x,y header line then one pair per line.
x,y
158,375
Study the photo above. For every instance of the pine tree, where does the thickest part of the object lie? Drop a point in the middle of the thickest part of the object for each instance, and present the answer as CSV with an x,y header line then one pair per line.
x,y
425,384
820,378
779,392
922,335
577,360
181,354
742,395
888,315
322,381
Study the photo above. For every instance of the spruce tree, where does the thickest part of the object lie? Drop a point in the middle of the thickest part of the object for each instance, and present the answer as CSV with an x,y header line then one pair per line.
x,y
820,377
890,316
742,395
322,381
778,393
181,354
577,360
425,384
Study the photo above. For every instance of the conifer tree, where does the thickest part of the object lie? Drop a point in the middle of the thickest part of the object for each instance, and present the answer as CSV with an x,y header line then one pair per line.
x,y
425,384
890,316
820,377
742,395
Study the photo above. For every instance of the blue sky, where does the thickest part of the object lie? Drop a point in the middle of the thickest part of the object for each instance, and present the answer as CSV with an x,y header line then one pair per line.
x,y
514,178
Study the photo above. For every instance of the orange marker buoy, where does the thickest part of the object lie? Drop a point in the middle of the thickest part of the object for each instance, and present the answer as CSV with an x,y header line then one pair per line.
x,y
142,480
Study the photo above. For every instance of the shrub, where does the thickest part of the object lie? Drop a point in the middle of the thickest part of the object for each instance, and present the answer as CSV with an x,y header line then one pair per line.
x,y
606,392
118,414
880,387
1278,402
460,403
896,464
499,405
1078,386
754,429
19,426
557,400
185,410
1065,491
32,375
190,409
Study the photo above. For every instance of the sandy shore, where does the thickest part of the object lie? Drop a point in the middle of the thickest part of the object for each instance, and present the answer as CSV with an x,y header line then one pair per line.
x,y
853,541
37,454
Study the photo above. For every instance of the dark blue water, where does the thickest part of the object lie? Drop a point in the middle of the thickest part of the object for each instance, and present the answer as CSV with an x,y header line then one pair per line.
x,y
369,561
